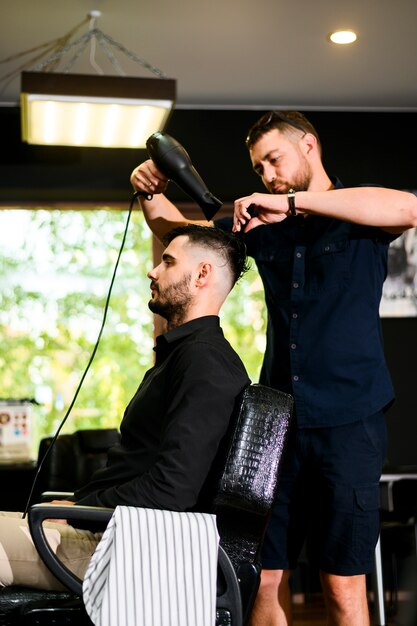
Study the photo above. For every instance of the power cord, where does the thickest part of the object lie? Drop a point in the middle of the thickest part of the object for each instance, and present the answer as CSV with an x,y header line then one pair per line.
x,y
77,391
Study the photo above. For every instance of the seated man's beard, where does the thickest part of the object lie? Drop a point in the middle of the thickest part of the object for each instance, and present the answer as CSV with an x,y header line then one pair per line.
x,y
174,301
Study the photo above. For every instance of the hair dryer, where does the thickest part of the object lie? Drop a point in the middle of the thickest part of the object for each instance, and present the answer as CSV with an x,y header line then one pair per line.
x,y
174,162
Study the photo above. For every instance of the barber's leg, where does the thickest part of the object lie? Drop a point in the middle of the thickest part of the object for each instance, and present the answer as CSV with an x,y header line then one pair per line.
x,y
273,601
20,563
345,598
346,531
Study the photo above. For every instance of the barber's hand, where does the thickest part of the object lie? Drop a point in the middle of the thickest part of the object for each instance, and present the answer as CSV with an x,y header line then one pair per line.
x,y
59,502
148,179
268,209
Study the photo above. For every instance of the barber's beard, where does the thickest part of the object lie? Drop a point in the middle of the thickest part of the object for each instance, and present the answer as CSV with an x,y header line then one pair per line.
x,y
302,180
173,302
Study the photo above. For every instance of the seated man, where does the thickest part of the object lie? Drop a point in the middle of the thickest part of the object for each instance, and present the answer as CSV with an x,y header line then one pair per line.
x,y
172,428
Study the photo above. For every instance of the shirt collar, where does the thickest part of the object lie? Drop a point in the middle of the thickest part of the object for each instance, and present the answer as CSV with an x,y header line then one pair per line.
x,y
337,184
180,332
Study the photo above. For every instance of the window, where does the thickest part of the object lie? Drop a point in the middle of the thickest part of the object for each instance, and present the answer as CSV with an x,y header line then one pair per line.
x,y
56,267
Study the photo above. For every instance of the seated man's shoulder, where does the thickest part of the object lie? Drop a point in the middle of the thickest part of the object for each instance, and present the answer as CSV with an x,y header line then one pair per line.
x,y
212,356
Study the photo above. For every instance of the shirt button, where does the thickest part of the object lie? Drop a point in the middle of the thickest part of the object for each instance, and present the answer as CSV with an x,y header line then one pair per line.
x,y
295,378
327,248
298,255
293,346
294,316
295,285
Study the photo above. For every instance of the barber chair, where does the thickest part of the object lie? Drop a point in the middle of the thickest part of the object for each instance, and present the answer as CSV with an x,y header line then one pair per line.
x,y
73,459
244,480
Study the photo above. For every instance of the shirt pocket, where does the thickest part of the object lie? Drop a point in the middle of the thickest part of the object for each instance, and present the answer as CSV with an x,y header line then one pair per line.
x,y
366,522
328,267
275,269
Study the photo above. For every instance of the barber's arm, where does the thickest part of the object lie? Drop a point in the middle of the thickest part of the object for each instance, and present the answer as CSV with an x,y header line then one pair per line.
x,y
160,213
391,210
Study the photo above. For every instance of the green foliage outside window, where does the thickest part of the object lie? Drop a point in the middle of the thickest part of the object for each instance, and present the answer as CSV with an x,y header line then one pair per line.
x,y
56,268
243,319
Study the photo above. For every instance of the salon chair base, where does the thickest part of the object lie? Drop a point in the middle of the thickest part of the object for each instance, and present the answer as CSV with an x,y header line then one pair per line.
x,y
26,607
57,613
20,605
57,609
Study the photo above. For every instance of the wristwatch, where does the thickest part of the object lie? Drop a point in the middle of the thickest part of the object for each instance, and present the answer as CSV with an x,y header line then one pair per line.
x,y
291,201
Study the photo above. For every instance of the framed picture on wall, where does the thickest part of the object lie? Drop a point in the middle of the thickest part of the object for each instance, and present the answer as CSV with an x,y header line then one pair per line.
x,y
399,296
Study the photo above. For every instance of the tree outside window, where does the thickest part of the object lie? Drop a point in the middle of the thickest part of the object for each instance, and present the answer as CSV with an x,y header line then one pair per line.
x,y
56,267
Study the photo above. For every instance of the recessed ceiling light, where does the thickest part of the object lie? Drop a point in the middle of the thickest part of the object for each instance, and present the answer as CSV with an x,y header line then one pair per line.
x,y
343,37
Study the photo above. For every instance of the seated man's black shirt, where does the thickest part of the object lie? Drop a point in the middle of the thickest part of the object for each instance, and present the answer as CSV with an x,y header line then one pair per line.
x,y
172,427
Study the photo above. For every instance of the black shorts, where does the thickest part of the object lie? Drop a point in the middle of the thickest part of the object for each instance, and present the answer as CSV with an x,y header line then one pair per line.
x,y
328,493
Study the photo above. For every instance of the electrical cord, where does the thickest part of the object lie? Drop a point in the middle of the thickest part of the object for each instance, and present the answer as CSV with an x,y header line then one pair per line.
x,y
77,391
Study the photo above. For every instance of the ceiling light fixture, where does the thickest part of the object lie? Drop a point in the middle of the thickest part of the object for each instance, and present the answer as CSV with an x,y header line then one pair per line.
x,y
93,110
343,37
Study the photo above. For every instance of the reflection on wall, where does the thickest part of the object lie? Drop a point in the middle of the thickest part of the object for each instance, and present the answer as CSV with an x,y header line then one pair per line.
x,y
399,297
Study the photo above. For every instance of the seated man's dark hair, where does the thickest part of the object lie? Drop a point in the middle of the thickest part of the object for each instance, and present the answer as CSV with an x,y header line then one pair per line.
x,y
231,247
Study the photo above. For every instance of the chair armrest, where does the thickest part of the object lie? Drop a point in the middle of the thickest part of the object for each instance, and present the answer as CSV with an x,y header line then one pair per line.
x,y
249,577
38,513
56,495
229,598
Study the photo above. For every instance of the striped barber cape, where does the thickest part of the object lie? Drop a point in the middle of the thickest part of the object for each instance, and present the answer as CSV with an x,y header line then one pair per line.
x,y
154,568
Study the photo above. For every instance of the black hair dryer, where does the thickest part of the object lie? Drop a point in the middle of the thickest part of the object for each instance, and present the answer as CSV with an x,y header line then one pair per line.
x,y
174,162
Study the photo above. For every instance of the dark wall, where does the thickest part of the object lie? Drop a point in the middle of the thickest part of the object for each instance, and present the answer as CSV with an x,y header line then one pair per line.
x,y
400,340
361,147
358,147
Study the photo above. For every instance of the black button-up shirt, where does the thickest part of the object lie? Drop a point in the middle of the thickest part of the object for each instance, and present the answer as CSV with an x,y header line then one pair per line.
x,y
172,428
323,281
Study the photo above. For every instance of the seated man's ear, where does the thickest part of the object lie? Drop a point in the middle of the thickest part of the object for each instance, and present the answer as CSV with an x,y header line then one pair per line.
x,y
204,273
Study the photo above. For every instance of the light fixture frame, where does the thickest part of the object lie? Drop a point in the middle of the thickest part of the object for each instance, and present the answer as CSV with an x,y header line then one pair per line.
x,y
94,86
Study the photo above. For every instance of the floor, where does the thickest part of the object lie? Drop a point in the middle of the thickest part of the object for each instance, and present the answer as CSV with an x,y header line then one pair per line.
x,y
311,612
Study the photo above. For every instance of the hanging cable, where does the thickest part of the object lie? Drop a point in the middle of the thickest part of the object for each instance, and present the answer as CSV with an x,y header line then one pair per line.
x,y
56,49
48,48
77,391
94,15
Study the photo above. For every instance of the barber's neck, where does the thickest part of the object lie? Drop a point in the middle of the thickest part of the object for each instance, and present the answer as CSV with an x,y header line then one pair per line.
x,y
320,180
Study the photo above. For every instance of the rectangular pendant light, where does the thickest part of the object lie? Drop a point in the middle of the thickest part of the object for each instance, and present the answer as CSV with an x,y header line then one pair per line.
x,y
93,110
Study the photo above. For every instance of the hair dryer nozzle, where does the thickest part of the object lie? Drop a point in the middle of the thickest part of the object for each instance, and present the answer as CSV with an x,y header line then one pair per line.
x,y
174,162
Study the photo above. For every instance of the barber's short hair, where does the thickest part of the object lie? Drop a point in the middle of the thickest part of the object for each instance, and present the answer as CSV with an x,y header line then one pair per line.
x,y
283,121
229,245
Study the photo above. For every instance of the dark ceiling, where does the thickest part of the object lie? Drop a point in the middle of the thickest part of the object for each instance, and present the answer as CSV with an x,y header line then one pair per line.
x,y
263,53
359,147
232,60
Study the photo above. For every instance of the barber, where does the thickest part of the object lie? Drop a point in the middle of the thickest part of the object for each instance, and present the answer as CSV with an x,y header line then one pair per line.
x,y
321,250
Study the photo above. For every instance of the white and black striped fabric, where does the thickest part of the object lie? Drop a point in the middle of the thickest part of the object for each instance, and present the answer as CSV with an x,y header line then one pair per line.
x,y
154,568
